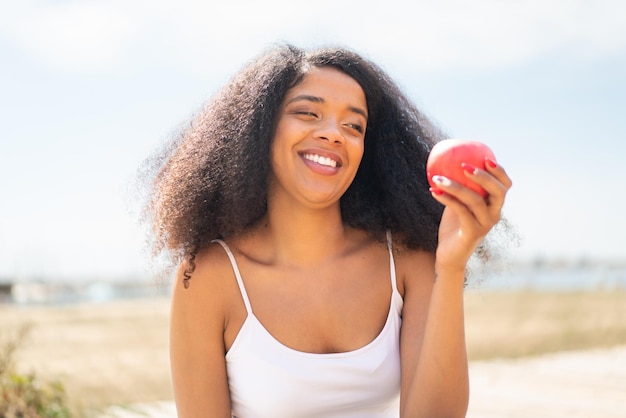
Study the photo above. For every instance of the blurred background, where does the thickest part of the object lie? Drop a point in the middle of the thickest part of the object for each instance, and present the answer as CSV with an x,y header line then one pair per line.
x,y
89,89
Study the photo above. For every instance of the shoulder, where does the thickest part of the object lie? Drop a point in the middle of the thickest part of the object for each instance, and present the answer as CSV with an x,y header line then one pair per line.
x,y
209,266
212,264
415,269
198,319
211,287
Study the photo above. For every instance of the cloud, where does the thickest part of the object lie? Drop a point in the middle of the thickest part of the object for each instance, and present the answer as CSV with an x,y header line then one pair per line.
x,y
197,37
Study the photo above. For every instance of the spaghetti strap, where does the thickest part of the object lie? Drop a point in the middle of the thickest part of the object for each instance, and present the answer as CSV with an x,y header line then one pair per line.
x,y
233,262
392,263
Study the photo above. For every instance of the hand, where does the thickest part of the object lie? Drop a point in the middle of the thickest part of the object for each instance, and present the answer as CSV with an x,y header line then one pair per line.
x,y
467,216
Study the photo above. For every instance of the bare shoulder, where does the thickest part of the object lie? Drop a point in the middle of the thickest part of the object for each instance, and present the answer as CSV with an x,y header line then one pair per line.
x,y
210,287
200,313
211,266
414,268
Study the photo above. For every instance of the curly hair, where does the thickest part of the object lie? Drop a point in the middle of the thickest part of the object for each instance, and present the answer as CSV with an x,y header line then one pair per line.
x,y
210,181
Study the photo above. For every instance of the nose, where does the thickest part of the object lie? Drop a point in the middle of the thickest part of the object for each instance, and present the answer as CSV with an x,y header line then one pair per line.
x,y
330,130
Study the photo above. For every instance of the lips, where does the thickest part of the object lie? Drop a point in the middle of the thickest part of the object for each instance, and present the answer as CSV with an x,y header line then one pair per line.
x,y
326,161
323,158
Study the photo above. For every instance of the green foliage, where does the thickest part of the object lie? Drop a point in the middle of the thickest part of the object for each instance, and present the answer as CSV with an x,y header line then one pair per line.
x,y
26,395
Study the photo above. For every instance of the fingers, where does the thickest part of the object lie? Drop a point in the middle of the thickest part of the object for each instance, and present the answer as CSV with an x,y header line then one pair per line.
x,y
486,211
494,180
498,172
470,206
497,189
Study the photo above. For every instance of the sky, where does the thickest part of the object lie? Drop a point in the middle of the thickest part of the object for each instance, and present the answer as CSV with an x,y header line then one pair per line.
x,y
89,89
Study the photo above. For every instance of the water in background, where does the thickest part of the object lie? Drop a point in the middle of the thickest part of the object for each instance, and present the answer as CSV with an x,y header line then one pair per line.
x,y
57,292
542,278
553,278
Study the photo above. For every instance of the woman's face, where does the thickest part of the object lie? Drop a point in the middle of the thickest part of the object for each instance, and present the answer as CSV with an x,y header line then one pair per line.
x,y
319,137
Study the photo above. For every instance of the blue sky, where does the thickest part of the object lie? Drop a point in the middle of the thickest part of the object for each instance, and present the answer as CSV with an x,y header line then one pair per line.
x,y
88,89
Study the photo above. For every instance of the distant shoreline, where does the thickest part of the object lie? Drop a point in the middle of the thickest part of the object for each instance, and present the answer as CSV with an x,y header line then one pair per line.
x,y
520,277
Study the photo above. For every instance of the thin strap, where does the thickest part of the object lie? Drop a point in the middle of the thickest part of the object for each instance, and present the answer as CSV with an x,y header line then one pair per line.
x,y
233,262
392,263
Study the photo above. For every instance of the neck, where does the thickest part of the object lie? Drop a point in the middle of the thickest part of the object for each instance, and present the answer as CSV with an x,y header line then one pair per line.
x,y
304,237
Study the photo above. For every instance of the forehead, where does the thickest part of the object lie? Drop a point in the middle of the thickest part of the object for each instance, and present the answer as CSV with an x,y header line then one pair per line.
x,y
329,84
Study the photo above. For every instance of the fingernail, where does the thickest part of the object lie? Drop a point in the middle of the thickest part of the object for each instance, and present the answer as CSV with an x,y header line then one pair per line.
x,y
444,181
469,168
436,191
491,163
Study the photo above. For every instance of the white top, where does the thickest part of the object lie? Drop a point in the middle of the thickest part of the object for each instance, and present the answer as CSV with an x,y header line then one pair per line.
x,y
270,380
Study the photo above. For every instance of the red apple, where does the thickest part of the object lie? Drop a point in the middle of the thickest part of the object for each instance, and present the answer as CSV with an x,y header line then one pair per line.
x,y
446,157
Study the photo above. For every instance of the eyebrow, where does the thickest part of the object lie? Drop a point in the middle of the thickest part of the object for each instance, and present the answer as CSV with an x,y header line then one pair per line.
x,y
316,99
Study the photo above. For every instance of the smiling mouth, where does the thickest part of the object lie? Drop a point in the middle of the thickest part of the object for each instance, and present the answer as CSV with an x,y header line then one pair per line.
x,y
325,161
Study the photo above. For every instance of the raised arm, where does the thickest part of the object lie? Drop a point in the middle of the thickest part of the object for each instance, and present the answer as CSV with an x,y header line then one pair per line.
x,y
435,382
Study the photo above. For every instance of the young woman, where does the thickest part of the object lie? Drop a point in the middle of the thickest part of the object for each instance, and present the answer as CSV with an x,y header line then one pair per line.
x,y
319,275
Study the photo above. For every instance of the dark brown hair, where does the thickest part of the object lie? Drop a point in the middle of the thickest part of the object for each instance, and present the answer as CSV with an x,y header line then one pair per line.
x,y
210,181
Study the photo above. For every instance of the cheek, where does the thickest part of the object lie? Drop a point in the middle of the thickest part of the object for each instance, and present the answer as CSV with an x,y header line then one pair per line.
x,y
279,151
357,150
274,158
281,137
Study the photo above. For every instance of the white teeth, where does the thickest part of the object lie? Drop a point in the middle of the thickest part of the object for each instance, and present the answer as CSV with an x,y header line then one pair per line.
x,y
321,160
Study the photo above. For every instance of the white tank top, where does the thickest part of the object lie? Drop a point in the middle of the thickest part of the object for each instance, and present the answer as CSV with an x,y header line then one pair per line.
x,y
270,380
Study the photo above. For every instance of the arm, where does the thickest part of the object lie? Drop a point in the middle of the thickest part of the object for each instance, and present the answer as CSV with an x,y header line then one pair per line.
x,y
197,343
435,380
